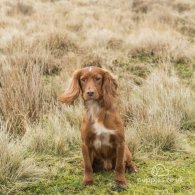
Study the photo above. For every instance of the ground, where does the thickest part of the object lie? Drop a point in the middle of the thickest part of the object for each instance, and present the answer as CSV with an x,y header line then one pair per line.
x,y
167,173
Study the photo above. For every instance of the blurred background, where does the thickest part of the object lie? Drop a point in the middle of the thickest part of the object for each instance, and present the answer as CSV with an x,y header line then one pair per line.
x,y
148,44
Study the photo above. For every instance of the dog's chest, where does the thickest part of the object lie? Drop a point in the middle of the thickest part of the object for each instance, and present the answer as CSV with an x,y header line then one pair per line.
x,y
102,136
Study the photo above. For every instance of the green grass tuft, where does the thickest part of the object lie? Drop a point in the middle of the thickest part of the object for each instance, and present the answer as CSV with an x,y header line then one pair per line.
x,y
184,70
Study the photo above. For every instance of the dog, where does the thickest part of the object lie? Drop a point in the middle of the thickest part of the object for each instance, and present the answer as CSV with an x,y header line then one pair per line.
x,y
102,131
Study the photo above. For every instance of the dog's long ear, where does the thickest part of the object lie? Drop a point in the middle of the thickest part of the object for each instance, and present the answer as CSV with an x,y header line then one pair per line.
x,y
110,87
73,91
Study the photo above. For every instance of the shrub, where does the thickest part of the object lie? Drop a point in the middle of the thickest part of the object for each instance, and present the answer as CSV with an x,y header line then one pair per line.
x,y
55,133
22,92
157,111
14,163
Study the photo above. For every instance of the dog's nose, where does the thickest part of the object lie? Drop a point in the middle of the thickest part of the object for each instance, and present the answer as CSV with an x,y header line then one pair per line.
x,y
90,93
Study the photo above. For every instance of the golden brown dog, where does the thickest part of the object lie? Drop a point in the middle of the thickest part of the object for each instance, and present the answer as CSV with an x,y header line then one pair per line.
x,y
102,132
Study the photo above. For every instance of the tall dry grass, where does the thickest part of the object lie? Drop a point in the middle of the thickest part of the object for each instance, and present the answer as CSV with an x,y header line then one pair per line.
x,y
22,93
158,110
56,133
15,164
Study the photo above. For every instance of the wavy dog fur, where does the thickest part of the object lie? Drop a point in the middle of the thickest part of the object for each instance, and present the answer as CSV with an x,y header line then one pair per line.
x,y
102,132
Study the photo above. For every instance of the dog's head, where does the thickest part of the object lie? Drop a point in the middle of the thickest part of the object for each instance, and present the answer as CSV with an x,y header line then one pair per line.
x,y
94,83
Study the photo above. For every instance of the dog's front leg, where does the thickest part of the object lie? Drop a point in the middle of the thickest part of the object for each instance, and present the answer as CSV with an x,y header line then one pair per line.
x,y
88,171
120,168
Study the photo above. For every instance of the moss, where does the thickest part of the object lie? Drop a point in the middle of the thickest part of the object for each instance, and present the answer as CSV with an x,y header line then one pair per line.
x,y
133,66
139,71
66,173
184,70
145,58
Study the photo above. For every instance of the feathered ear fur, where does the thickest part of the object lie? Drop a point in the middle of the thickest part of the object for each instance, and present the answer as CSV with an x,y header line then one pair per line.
x,y
73,91
110,87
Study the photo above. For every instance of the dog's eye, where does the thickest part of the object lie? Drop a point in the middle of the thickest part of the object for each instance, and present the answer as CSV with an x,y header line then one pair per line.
x,y
98,78
83,79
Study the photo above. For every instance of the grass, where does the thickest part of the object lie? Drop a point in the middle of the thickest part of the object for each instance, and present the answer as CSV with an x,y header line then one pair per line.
x,y
66,177
15,164
148,44
184,70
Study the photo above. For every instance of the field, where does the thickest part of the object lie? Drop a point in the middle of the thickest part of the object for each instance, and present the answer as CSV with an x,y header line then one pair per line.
x,y
148,44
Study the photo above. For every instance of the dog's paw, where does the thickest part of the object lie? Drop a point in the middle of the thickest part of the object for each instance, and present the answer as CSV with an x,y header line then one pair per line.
x,y
88,181
121,180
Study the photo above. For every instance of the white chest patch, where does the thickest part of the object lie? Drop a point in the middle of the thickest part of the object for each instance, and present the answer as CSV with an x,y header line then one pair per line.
x,y
93,109
102,136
